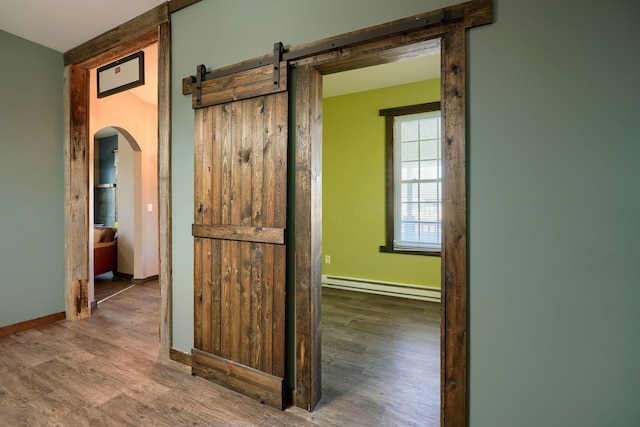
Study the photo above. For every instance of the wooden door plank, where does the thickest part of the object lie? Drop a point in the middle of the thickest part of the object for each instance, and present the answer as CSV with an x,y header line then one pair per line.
x,y
257,290
225,219
237,111
245,304
239,233
280,217
225,295
257,249
268,203
244,379
198,243
246,147
245,195
206,207
281,143
243,85
216,198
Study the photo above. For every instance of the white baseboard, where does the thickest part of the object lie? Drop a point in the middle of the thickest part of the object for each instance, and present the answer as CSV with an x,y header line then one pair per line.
x,y
382,288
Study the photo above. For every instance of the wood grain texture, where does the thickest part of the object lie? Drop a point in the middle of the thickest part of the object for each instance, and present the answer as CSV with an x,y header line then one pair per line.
x,y
308,235
396,47
136,27
125,39
278,137
164,189
76,202
239,233
380,358
251,382
180,356
176,5
134,45
400,46
200,305
454,246
240,214
105,370
243,85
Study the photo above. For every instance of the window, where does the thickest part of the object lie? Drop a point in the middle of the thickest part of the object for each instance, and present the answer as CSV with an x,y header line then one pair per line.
x,y
414,179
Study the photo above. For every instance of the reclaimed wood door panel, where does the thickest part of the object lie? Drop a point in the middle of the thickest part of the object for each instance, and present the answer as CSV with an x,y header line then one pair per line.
x,y
240,253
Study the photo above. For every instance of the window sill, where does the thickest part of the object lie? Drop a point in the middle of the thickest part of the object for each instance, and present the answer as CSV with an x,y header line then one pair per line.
x,y
391,250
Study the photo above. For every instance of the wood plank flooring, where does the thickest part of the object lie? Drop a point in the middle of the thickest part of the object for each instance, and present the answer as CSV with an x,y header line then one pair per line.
x,y
380,368
380,360
107,284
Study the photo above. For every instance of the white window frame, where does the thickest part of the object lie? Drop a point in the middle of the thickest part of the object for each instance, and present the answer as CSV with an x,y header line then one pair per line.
x,y
427,241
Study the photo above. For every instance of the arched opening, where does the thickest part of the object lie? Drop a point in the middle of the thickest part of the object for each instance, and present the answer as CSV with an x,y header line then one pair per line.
x,y
129,119
123,200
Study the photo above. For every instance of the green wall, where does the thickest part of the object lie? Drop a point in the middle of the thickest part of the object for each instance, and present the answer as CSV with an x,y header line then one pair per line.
x,y
31,181
353,187
554,206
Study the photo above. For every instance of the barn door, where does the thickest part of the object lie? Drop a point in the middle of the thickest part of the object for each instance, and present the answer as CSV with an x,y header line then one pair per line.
x,y
239,232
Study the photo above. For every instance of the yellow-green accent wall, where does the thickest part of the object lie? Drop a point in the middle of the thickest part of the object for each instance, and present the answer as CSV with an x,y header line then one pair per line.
x,y
353,181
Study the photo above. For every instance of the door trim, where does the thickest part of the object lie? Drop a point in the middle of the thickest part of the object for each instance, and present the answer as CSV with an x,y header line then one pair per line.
x,y
153,26
308,148
308,187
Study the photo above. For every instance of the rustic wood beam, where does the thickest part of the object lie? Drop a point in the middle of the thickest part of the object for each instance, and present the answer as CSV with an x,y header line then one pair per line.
x,y
134,45
308,236
454,373
137,27
176,5
76,191
377,49
164,190
246,84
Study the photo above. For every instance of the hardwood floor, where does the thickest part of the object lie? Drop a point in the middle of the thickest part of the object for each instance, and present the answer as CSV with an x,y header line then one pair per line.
x,y
107,284
380,360
380,368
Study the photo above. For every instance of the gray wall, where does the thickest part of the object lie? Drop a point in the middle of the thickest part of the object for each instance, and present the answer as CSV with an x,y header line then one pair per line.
x,y
31,181
554,113
554,135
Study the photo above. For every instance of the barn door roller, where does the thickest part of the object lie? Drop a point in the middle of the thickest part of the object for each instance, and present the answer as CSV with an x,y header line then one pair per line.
x,y
278,48
279,54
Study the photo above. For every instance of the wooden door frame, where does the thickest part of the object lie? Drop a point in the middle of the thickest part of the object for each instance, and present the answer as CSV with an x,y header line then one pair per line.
x,y
308,195
150,27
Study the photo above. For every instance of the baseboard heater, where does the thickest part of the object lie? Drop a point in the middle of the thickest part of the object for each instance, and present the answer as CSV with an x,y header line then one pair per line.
x,y
382,288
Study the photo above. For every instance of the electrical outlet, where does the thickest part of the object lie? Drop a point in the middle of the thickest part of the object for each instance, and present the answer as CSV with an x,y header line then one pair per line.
x,y
327,259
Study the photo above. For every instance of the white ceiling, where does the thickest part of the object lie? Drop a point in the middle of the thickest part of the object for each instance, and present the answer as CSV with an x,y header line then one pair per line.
x,y
64,24
379,76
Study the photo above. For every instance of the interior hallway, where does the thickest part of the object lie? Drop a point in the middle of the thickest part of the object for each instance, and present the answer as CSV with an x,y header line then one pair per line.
x,y
380,367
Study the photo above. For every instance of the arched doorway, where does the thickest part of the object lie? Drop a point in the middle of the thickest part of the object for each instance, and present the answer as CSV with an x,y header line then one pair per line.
x,y
123,197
